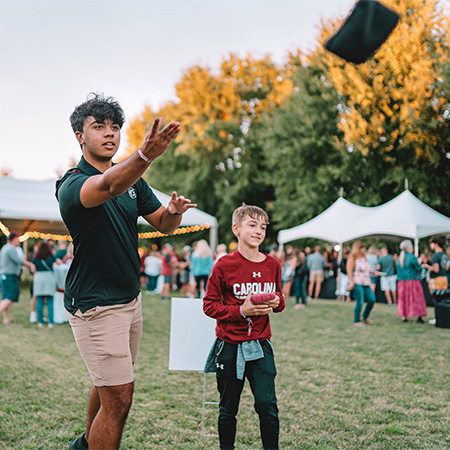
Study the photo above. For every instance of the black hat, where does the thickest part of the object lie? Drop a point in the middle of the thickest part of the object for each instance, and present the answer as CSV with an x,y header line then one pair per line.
x,y
369,24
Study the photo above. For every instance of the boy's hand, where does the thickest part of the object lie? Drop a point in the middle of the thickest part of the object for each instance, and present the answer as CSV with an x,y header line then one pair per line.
x,y
249,309
274,303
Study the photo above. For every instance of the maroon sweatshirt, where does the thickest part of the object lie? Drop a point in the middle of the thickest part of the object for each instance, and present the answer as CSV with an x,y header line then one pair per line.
x,y
232,278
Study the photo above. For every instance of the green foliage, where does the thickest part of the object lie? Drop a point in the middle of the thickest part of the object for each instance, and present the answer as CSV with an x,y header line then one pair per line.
x,y
395,108
299,142
289,138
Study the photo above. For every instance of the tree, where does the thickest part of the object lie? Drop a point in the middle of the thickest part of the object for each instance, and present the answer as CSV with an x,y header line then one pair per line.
x,y
395,108
214,160
300,145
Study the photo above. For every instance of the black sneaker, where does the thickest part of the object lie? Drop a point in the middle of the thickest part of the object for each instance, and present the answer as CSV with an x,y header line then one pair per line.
x,y
79,444
420,320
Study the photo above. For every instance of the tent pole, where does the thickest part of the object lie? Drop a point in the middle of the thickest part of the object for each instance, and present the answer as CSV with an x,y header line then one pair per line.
x,y
213,237
416,243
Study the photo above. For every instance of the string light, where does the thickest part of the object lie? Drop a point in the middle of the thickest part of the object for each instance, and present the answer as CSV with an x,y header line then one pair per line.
x,y
183,230
60,237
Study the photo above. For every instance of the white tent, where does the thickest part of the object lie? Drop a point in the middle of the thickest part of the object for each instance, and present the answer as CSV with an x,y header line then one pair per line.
x,y
28,205
404,216
330,225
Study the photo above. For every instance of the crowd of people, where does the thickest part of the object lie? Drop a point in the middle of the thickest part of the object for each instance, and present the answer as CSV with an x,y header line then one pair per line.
x,y
168,270
43,259
400,276
304,272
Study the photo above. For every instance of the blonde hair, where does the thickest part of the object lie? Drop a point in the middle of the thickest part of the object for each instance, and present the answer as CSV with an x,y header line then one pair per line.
x,y
356,250
373,249
202,249
221,248
255,212
404,245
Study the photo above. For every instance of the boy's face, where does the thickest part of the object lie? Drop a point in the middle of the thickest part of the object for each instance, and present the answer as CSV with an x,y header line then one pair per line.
x,y
100,139
251,232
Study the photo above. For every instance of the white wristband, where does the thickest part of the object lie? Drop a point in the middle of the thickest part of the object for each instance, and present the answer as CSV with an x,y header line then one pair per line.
x,y
147,160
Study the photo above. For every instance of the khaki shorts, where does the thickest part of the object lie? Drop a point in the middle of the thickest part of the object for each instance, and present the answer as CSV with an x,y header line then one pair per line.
x,y
388,283
108,338
316,276
438,283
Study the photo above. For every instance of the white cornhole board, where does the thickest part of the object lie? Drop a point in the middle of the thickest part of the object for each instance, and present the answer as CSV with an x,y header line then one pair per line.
x,y
192,335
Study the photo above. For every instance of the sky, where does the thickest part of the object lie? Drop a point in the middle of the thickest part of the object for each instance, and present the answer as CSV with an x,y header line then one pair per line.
x,y
54,53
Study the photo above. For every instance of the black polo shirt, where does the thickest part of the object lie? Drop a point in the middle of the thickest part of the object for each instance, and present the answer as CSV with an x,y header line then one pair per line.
x,y
105,268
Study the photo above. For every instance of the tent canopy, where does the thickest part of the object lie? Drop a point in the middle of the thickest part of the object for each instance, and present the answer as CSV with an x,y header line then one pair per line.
x,y
405,216
330,225
29,205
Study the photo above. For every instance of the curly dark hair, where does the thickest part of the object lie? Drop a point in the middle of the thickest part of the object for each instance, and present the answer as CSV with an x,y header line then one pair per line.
x,y
101,108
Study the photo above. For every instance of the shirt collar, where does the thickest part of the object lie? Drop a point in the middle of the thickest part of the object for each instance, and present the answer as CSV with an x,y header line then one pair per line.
x,y
87,168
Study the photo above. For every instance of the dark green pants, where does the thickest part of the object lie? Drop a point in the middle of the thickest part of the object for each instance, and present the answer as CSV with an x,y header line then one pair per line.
x,y
261,375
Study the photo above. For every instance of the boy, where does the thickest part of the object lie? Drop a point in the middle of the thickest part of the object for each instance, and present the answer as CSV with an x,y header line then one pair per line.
x,y
242,348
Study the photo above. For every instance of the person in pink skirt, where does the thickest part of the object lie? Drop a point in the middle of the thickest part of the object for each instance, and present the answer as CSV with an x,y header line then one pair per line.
x,y
411,299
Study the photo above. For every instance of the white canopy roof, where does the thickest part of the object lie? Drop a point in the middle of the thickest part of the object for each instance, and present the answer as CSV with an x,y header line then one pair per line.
x,y
404,216
330,225
28,205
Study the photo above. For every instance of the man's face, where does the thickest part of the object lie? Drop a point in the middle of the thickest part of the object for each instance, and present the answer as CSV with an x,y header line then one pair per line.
x,y
99,139
251,232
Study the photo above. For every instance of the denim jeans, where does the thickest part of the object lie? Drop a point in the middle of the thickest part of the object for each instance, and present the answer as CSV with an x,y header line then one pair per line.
x,y
40,299
300,290
152,282
361,294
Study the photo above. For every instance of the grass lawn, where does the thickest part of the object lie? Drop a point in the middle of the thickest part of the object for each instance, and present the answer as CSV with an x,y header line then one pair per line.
x,y
383,387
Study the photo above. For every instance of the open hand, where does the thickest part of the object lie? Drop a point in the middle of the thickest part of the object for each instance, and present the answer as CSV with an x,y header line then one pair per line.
x,y
179,205
157,142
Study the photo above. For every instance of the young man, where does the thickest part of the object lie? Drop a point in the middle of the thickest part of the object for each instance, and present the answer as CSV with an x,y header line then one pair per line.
x,y
11,263
100,203
388,281
316,265
439,263
242,349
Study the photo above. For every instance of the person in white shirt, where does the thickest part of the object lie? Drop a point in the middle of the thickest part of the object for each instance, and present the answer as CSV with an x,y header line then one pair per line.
x,y
153,266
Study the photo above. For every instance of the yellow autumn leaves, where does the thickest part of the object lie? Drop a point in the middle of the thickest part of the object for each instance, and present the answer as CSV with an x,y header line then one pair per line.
x,y
382,99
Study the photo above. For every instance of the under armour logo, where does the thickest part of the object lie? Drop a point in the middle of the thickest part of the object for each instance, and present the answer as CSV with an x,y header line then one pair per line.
x,y
256,274
220,366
